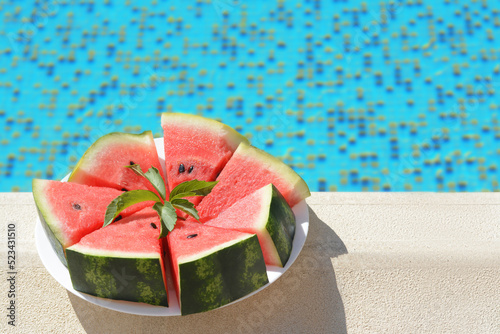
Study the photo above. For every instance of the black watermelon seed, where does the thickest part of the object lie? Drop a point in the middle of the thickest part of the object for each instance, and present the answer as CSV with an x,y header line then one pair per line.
x,y
153,225
190,169
181,168
192,236
77,206
131,162
124,189
118,218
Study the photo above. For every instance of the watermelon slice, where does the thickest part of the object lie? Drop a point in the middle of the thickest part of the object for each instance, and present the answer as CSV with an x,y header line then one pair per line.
x,y
122,261
213,267
69,211
196,148
103,164
265,213
248,170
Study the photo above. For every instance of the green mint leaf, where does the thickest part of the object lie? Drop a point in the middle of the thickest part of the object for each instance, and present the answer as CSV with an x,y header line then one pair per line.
x,y
136,168
186,206
168,217
192,188
125,200
182,195
153,176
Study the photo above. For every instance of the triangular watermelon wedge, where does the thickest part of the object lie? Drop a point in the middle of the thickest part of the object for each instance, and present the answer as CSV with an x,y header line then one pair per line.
x,y
250,169
265,213
69,211
103,164
196,148
213,267
123,261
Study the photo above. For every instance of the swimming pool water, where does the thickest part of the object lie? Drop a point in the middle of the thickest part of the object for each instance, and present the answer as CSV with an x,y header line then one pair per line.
x,y
355,96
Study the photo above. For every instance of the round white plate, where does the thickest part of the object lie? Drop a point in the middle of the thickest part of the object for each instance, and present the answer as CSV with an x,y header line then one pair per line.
x,y
60,272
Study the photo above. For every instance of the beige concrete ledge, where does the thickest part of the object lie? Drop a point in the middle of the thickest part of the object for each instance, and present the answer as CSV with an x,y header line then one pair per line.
x,y
372,263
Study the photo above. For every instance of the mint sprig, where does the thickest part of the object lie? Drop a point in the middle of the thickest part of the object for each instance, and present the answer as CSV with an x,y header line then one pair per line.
x,y
164,208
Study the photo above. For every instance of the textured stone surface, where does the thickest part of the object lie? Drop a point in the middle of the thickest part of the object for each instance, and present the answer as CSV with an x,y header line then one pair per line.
x,y
372,263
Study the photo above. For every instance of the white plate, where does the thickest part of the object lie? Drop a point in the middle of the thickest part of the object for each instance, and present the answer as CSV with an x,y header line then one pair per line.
x,y
60,272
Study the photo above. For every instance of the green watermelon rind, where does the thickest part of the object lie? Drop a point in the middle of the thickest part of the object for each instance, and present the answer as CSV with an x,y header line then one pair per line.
x,y
131,277
280,224
145,138
50,222
220,276
270,162
199,123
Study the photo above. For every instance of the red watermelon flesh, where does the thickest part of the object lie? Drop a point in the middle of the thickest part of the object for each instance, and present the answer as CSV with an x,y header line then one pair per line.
x,y
196,148
137,233
103,164
72,210
250,169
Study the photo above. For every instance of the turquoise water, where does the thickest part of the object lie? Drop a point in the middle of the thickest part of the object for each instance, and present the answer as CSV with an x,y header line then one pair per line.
x,y
355,96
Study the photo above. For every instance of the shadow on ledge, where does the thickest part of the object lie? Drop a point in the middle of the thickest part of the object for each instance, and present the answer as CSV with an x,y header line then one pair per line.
x,y
305,299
